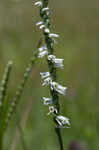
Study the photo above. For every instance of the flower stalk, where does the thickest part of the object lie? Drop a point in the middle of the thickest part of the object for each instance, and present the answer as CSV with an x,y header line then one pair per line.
x,y
3,87
3,91
49,78
20,89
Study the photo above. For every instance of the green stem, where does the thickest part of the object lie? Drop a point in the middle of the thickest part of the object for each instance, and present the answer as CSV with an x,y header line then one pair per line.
x,y
2,131
52,69
21,132
3,87
20,88
58,132
1,142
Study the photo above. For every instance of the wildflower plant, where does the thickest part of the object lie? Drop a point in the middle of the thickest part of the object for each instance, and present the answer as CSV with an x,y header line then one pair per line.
x,y
49,78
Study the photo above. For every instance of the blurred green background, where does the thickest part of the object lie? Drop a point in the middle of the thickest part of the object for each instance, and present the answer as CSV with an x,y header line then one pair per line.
x,y
77,22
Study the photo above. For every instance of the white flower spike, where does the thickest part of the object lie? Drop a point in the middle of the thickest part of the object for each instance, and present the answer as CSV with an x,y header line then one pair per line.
x,y
62,121
47,101
49,78
39,3
58,88
44,74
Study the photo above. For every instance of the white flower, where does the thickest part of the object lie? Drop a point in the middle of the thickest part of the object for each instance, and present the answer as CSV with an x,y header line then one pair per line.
x,y
51,57
47,101
53,35
45,9
58,62
42,48
52,109
42,26
58,88
62,121
44,74
39,23
42,53
48,12
47,81
47,30
39,3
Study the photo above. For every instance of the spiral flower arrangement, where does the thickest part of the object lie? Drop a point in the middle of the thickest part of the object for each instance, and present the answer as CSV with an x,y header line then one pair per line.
x,y
49,78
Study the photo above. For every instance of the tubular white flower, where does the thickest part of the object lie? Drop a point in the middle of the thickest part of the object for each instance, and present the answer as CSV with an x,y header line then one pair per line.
x,y
42,48
58,62
44,74
47,101
52,109
51,57
45,9
53,35
47,30
48,12
42,26
62,121
58,88
42,54
47,81
39,23
39,3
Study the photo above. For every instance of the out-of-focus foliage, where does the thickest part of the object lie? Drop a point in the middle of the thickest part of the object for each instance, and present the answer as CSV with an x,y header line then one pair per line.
x,y
77,23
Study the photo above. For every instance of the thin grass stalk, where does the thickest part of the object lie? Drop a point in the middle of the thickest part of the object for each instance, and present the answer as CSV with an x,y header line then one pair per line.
x,y
22,122
3,90
3,87
19,92
20,132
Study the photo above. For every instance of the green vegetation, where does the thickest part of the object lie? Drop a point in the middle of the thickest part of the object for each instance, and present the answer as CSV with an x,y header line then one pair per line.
x,y
77,23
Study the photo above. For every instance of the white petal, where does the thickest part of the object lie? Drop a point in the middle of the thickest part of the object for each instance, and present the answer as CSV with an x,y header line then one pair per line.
x,y
47,30
58,63
51,57
58,88
44,74
62,121
47,81
42,48
47,101
39,23
48,13
43,53
45,9
42,26
52,35
39,3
